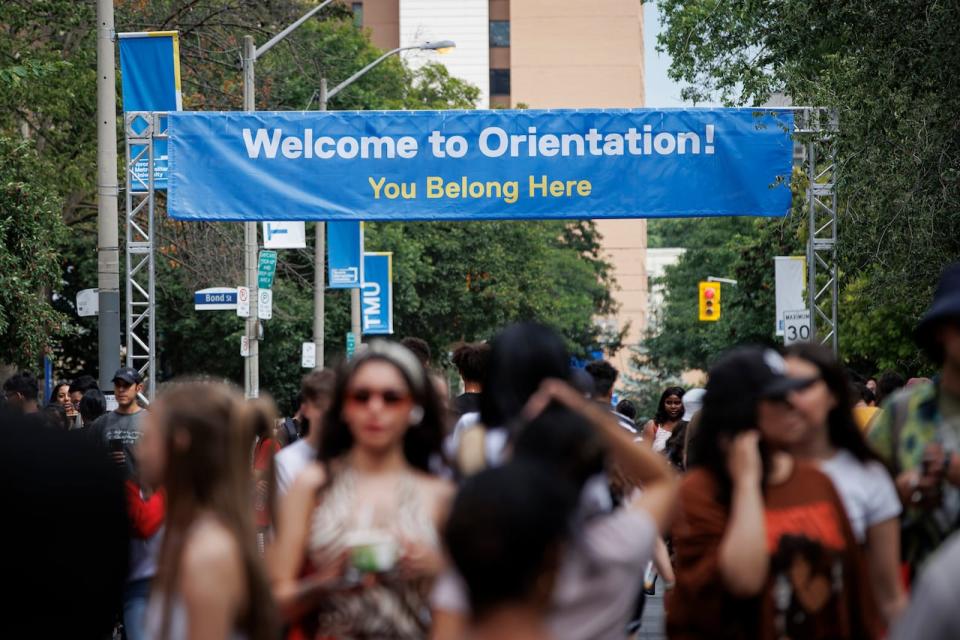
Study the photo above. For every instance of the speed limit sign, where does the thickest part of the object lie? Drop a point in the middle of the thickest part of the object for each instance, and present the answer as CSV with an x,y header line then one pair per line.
x,y
796,326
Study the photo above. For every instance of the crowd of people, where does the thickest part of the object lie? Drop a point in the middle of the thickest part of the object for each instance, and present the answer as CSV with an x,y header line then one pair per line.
x,y
784,499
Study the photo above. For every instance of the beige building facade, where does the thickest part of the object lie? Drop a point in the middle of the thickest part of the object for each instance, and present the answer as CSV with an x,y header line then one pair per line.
x,y
550,54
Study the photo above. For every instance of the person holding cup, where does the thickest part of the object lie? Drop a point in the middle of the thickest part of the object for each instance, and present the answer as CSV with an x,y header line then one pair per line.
x,y
362,522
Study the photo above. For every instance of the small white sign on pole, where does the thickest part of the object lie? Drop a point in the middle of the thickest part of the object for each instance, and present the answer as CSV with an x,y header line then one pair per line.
x,y
790,281
308,357
243,302
796,326
265,304
244,346
284,235
88,302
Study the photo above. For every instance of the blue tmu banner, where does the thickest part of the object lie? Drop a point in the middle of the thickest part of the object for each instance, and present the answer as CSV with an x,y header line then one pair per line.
x,y
150,80
461,165
345,254
376,296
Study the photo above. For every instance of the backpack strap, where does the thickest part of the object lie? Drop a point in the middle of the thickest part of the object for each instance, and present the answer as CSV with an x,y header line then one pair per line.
x,y
898,418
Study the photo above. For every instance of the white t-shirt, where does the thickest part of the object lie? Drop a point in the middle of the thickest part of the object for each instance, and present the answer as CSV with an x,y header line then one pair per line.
x,y
290,462
867,491
598,582
494,440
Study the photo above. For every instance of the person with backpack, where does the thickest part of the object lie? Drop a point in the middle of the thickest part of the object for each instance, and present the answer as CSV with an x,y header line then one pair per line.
x,y
917,432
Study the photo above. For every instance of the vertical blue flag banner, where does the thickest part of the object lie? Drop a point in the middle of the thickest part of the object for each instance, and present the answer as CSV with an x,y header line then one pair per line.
x,y
376,297
150,80
345,254
462,165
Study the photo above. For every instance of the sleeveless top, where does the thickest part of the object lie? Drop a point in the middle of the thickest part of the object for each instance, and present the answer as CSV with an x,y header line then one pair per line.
x,y
660,437
393,608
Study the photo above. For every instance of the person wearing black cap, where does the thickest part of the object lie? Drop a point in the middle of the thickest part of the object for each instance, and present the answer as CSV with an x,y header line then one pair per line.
x,y
764,548
917,432
119,430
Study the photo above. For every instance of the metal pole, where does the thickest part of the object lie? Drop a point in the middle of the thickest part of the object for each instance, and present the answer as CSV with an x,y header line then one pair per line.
x,y
355,316
252,362
269,44
812,228
319,265
108,250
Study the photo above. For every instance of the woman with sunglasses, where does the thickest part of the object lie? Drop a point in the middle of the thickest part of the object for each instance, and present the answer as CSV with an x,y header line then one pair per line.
x,y
827,434
362,523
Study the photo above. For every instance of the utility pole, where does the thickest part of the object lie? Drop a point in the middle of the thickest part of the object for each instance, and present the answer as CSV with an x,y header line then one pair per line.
x,y
108,190
251,367
318,305
248,58
355,322
319,264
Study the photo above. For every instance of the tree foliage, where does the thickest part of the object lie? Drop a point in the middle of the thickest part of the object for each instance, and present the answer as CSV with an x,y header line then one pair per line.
x,y
889,67
30,228
741,249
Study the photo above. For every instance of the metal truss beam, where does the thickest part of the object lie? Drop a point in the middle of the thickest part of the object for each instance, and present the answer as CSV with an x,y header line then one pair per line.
x,y
816,130
141,129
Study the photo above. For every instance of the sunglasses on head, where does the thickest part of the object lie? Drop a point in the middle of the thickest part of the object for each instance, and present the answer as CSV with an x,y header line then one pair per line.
x,y
389,397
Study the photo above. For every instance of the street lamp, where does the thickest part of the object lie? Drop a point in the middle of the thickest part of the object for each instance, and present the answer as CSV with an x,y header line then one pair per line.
x,y
251,53
440,46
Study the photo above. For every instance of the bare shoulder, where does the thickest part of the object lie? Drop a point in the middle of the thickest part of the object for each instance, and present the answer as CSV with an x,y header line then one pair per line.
x,y
439,489
309,481
436,487
211,552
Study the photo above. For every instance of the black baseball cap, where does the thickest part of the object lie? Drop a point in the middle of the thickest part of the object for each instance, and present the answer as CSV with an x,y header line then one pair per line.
x,y
128,375
746,375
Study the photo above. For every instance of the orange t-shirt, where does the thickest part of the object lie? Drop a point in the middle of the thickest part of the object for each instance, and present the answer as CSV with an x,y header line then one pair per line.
x,y
817,587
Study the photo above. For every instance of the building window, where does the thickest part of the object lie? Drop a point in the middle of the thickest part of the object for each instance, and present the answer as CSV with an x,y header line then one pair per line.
x,y
499,33
499,82
358,14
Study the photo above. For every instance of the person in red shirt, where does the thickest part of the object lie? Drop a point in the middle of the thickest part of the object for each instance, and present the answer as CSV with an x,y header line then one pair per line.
x,y
265,447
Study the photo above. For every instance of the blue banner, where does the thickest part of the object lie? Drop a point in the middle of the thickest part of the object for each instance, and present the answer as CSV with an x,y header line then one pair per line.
x,y
376,297
150,81
459,165
345,254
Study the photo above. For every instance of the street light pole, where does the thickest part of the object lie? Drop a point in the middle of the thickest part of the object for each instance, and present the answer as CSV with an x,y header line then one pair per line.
x,y
251,368
355,315
249,58
108,190
319,265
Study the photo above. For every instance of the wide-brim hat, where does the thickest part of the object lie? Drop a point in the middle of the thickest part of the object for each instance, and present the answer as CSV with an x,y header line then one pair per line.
x,y
945,306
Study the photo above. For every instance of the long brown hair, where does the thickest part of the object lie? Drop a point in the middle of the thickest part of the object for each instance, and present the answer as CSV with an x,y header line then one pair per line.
x,y
210,473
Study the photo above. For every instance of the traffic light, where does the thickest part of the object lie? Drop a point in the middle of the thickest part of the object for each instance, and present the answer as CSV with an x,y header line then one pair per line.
x,y
709,301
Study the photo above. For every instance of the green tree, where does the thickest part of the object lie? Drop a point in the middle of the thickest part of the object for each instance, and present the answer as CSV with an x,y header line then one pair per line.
x,y
889,68
30,228
737,248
